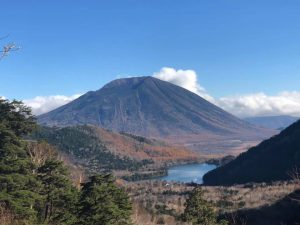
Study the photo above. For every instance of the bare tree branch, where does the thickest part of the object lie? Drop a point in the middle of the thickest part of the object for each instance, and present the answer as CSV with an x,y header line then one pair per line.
x,y
8,48
4,37
295,175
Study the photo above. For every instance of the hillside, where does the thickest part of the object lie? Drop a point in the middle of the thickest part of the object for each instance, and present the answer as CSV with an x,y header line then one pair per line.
x,y
272,122
283,211
272,160
150,107
98,149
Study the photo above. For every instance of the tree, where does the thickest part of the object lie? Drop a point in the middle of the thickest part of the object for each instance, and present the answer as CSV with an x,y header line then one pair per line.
x,y
7,49
103,203
198,211
35,187
16,117
17,185
40,152
60,197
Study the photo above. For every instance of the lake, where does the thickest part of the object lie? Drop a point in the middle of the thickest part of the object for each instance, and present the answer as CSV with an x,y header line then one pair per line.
x,y
188,173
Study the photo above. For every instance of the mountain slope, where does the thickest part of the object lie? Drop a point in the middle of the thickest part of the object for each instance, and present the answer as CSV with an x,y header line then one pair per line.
x,y
98,149
149,107
272,122
273,159
284,211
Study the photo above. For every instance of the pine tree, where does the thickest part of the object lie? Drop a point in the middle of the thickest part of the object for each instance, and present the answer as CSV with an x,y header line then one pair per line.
x,y
103,203
36,188
60,197
17,185
198,211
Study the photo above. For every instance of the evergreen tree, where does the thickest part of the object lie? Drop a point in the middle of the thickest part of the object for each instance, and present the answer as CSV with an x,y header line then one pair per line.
x,y
198,211
17,117
17,185
103,203
60,197
35,186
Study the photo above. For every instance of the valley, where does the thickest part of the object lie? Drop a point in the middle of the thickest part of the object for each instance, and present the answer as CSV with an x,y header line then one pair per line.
x,y
158,177
189,173
160,166
150,112
128,156
156,201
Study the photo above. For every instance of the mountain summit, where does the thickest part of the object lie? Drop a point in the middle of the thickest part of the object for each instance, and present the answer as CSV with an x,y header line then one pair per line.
x,y
149,107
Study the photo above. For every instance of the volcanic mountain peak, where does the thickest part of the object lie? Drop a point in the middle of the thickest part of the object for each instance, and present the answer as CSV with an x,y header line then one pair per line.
x,y
132,82
150,107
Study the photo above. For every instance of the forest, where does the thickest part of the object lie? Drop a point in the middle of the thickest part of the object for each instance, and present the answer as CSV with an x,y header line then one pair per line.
x,y
36,187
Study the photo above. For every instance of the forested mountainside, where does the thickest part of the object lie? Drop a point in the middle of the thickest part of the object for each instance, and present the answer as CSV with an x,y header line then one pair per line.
x,y
274,159
98,149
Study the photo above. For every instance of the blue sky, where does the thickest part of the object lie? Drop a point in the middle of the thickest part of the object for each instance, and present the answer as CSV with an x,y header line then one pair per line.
x,y
68,47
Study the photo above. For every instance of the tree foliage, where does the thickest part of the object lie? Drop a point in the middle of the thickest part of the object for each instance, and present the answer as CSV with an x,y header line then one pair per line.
x,y
198,211
17,185
103,203
60,197
35,187
87,149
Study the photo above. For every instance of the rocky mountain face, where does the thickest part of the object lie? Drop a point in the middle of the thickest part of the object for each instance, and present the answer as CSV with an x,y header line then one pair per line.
x,y
150,107
275,159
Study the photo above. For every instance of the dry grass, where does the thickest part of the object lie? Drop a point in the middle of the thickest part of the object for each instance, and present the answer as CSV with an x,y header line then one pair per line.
x,y
6,216
157,201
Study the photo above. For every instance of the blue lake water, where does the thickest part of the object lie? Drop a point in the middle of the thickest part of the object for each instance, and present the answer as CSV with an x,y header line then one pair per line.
x,y
188,173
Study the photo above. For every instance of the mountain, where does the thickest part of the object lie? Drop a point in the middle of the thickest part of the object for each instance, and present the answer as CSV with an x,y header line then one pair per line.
x,y
273,159
150,107
97,149
272,122
283,211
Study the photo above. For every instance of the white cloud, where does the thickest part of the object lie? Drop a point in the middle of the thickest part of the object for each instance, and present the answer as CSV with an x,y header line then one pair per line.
x,y
257,104
183,78
43,104
260,104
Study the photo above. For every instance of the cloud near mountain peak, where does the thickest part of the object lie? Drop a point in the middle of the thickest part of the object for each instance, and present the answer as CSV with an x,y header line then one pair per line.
x,y
247,105
43,104
183,78
256,104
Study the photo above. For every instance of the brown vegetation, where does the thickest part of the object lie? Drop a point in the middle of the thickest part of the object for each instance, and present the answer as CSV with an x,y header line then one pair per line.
x,y
41,151
126,145
6,216
158,200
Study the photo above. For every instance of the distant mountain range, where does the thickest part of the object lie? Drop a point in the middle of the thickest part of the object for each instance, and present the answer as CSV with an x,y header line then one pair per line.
x,y
272,160
273,122
150,107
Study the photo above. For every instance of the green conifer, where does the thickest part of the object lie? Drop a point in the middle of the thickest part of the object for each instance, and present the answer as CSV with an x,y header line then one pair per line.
x,y
103,203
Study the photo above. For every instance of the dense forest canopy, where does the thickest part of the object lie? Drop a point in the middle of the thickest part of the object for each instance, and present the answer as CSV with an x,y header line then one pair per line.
x,y
35,187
